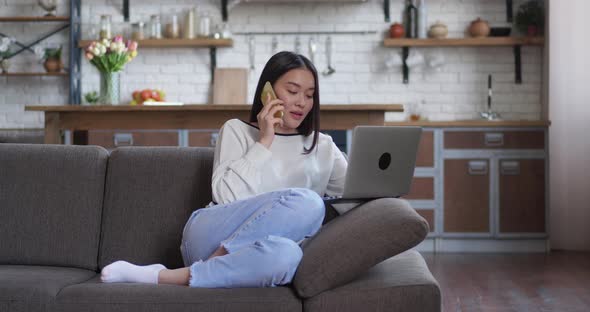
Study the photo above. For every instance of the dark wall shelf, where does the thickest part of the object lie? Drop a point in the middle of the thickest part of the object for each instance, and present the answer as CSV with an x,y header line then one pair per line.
x,y
73,23
64,74
515,42
40,19
175,43
464,42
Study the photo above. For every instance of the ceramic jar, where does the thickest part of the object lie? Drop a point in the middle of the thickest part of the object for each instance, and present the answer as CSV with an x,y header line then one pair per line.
x,y
53,65
479,28
438,31
396,30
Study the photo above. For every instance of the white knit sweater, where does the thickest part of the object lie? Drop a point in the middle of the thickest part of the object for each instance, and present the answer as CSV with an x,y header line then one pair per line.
x,y
243,167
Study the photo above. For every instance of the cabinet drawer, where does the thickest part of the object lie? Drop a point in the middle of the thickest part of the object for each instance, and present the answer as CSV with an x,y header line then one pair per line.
x,y
422,188
425,156
427,214
202,138
117,138
494,139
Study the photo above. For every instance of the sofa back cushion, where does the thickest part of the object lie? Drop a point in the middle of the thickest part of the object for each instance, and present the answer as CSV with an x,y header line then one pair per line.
x,y
150,194
50,204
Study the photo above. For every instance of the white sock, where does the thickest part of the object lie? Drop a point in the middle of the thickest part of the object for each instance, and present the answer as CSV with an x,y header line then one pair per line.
x,y
123,271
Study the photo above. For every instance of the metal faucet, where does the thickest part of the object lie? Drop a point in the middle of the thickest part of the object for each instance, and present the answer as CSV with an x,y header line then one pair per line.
x,y
490,115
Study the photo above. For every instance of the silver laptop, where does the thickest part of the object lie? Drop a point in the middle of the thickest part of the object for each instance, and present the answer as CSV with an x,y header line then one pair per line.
x,y
381,163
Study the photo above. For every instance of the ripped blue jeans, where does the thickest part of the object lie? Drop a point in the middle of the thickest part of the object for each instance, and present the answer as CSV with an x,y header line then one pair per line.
x,y
260,233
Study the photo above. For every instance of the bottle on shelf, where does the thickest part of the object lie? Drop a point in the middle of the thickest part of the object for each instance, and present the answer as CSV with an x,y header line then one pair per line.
x,y
171,30
189,24
205,25
411,20
156,27
422,20
105,27
137,31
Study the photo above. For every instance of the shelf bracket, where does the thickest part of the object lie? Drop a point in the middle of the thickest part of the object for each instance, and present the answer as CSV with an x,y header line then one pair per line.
x,y
213,55
18,43
27,47
509,11
518,64
126,10
224,10
386,10
405,69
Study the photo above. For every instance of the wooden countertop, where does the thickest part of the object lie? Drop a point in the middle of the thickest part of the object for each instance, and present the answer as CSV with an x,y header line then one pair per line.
x,y
192,116
204,107
473,123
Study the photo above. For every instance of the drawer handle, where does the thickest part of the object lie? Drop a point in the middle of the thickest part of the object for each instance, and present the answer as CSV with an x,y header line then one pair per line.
x,y
478,167
123,139
494,139
510,167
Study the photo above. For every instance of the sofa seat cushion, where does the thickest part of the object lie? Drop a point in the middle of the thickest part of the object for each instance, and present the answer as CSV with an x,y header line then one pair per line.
x,y
32,288
96,296
401,283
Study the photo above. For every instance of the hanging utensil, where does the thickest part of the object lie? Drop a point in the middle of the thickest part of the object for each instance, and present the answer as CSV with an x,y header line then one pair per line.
x,y
329,70
252,51
297,45
312,49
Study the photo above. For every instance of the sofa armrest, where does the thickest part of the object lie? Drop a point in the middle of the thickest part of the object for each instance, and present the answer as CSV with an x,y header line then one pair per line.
x,y
354,242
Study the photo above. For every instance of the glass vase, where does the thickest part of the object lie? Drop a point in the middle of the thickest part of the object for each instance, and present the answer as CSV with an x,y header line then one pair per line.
x,y
109,88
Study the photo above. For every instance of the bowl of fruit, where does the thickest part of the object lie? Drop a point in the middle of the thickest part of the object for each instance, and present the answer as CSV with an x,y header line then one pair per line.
x,y
147,96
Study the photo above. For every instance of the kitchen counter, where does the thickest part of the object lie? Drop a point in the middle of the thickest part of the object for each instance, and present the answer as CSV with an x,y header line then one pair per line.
x,y
203,107
201,116
472,123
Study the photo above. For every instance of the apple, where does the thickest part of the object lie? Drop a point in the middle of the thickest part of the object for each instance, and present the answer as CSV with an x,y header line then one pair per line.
x,y
136,96
146,94
162,95
156,95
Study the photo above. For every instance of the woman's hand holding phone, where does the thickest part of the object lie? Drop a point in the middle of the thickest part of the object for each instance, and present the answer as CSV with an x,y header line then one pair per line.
x,y
270,116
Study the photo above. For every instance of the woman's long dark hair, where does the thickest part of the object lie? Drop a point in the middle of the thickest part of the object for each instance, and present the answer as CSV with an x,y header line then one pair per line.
x,y
276,67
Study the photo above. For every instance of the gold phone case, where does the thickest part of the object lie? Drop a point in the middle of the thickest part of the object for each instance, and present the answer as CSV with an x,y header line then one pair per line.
x,y
266,90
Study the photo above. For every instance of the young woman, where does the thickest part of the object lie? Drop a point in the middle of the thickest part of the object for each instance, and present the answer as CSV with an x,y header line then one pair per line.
x,y
268,178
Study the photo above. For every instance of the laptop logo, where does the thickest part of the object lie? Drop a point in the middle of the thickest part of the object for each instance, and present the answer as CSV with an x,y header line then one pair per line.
x,y
384,161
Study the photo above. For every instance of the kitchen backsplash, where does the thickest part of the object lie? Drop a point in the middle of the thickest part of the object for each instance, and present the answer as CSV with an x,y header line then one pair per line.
x,y
458,90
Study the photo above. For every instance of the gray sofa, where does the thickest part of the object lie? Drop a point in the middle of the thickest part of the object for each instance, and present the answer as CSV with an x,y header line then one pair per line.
x,y
67,211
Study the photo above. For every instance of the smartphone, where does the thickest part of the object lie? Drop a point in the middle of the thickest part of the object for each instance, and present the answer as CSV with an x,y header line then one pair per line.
x,y
266,90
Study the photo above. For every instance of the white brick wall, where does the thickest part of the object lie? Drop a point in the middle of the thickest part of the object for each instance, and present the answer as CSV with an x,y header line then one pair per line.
x,y
458,91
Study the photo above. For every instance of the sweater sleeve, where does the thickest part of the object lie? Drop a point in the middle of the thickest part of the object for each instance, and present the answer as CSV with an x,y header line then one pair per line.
x,y
237,167
338,174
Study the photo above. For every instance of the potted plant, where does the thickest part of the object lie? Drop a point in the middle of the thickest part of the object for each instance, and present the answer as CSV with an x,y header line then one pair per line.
x,y
109,57
52,57
91,97
5,53
530,18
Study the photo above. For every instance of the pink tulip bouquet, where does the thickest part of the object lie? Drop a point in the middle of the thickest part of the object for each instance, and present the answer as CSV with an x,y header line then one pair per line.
x,y
111,55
